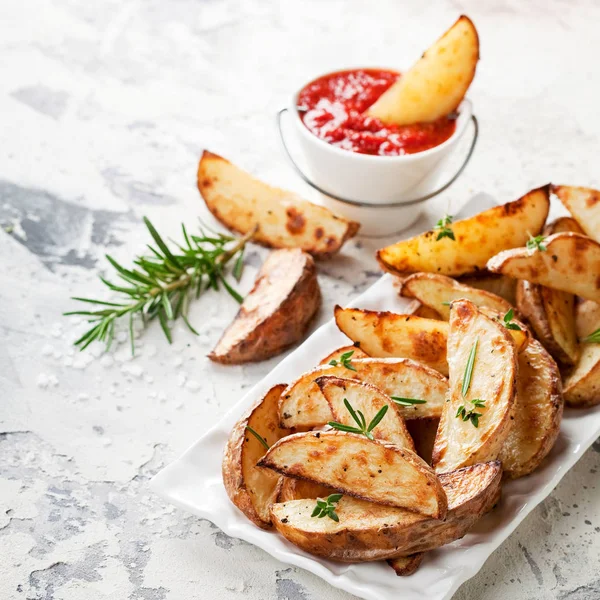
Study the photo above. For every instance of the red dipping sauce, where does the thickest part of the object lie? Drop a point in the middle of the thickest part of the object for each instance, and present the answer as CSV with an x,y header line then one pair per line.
x,y
332,107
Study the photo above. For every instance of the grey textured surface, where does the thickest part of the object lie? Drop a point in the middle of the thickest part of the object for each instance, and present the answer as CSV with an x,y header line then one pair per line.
x,y
105,109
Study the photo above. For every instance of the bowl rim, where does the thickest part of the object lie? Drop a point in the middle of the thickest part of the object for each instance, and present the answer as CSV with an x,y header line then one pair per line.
x,y
465,110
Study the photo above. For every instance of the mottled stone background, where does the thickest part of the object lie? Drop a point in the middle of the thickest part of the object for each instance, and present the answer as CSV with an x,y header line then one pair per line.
x,y
104,109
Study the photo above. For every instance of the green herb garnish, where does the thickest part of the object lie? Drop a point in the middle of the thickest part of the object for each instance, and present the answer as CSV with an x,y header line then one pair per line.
x,y
407,401
442,228
508,317
593,338
471,415
259,437
326,508
344,361
466,384
161,284
536,243
360,420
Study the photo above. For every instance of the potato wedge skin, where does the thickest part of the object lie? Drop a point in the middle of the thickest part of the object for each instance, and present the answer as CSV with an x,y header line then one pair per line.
x,y
571,263
582,384
551,314
437,83
494,379
357,353
537,415
276,313
303,405
389,335
478,239
252,489
285,220
584,204
437,291
368,531
359,467
369,400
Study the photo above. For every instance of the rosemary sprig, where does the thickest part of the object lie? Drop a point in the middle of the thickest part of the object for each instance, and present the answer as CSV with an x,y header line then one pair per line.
x,y
471,415
360,420
466,384
407,401
259,437
345,360
161,284
326,508
508,320
536,243
442,228
593,338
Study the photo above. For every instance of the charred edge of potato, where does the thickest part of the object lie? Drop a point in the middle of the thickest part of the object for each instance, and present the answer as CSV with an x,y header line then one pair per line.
x,y
406,565
288,323
232,465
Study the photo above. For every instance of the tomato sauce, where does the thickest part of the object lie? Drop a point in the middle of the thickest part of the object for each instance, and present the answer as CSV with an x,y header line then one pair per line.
x,y
332,107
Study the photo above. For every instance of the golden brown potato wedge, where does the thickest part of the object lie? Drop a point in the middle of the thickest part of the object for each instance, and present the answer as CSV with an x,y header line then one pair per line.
x,y
537,415
386,334
584,204
437,291
298,489
551,314
336,355
571,263
360,467
483,366
582,384
505,287
477,239
284,219
563,225
406,565
303,405
367,531
369,400
520,336
250,488
276,313
437,83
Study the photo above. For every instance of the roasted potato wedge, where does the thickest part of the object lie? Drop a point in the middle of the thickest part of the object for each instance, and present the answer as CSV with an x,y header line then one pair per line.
x,y
360,467
537,415
484,348
250,488
520,336
276,313
551,314
285,220
367,531
437,83
563,225
298,489
406,565
336,355
570,262
437,291
386,334
505,287
303,405
369,400
582,384
477,239
584,204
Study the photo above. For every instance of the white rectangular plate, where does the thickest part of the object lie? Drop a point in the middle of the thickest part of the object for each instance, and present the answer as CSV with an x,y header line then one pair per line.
x,y
193,482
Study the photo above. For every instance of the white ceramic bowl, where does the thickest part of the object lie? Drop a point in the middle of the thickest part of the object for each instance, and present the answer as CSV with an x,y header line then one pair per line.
x,y
377,191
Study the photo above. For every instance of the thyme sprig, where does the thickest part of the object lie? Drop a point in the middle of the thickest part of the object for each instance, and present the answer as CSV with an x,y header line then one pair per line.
x,y
536,243
326,508
344,361
508,320
161,284
471,415
593,338
360,420
443,229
